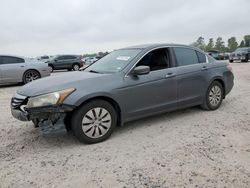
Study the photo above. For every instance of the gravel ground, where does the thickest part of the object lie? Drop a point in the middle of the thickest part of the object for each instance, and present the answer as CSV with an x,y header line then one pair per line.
x,y
187,148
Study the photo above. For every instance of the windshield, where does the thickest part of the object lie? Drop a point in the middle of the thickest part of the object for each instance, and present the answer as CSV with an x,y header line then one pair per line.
x,y
242,50
114,62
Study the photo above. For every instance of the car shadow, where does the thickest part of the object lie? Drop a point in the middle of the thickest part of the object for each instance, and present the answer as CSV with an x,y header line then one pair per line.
x,y
8,85
69,139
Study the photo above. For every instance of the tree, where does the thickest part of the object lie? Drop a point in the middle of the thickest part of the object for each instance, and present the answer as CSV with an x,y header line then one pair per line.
x,y
200,43
210,45
247,40
232,44
220,45
242,44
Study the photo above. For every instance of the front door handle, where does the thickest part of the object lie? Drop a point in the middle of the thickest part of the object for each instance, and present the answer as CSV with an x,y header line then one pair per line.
x,y
170,75
204,68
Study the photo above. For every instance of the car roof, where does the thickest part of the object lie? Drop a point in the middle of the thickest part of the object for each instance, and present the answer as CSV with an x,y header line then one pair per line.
x,y
157,45
8,55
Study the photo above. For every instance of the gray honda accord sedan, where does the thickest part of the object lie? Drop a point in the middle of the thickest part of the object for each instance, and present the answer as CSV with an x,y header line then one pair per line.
x,y
125,85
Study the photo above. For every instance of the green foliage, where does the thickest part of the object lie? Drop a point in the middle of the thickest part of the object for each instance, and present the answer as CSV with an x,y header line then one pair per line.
x,y
200,43
242,44
100,54
210,45
247,40
232,44
220,46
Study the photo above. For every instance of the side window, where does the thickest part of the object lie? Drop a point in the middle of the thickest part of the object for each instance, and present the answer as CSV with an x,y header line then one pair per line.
x,y
11,60
201,57
185,56
61,58
1,60
71,57
156,60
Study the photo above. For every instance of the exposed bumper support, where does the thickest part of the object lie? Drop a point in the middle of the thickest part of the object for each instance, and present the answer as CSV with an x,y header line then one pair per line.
x,y
50,119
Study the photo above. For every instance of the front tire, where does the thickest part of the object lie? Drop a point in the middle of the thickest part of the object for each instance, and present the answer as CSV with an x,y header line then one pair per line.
x,y
214,96
94,122
231,61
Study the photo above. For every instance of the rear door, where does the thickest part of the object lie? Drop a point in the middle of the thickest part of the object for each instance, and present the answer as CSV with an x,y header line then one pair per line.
x,y
12,69
192,69
70,59
60,62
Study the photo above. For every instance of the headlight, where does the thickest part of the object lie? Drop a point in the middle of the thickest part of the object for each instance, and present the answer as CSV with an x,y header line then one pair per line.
x,y
49,99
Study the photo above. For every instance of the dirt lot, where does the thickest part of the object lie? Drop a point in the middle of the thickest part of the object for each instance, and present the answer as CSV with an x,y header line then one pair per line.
x,y
188,148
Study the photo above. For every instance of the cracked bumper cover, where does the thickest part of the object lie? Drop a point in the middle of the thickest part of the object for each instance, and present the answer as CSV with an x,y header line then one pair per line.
x,y
51,119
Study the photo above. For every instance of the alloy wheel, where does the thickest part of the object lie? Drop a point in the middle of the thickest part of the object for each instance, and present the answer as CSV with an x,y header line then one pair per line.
x,y
215,96
31,75
76,67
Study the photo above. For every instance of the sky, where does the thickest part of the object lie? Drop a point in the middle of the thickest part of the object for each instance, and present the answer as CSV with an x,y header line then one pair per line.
x,y
37,27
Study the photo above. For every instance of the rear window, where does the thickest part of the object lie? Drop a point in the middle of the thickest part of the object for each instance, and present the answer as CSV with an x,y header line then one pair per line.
x,y
201,57
185,56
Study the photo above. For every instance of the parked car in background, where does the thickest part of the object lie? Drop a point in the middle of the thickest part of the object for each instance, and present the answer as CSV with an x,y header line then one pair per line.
x,y
225,55
91,60
215,54
43,58
15,69
69,62
242,54
125,85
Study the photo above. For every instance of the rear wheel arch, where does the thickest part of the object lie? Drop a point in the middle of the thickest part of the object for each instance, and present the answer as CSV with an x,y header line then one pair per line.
x,y
30,70
223,85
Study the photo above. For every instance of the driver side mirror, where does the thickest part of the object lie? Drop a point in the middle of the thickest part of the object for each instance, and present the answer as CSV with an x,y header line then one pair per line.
x,y
141,70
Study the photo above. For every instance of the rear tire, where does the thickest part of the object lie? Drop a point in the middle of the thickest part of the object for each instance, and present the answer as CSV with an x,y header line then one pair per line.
x,y
35,122
94,122
76,67
231,61
51,68
30,75
214,97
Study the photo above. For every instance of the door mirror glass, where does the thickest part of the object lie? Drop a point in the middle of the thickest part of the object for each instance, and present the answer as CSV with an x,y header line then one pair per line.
x,y
141,70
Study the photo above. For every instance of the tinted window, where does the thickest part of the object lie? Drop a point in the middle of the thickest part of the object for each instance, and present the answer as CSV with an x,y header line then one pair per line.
x,y
185,56
201,57
156,60
70,57
10,60
61,57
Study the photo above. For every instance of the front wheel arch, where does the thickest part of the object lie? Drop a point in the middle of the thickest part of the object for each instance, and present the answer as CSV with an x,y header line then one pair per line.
x,y
113,102
30,70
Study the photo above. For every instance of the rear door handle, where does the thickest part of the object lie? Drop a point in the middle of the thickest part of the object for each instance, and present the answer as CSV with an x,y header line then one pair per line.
x,y
170,75
204,68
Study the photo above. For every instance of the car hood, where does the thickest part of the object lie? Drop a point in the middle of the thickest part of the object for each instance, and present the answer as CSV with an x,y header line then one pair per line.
x,y
63,81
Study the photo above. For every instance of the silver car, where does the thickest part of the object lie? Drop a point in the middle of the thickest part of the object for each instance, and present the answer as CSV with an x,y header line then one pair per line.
x,y
15,69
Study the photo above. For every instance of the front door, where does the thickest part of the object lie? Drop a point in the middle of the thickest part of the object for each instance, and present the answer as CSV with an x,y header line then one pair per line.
x,y
153,92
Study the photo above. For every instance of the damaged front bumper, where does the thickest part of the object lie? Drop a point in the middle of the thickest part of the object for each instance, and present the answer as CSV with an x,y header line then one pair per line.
x,y
51,119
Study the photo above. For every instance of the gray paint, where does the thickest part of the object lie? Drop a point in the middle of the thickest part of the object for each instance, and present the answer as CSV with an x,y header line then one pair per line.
x,y
158,91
